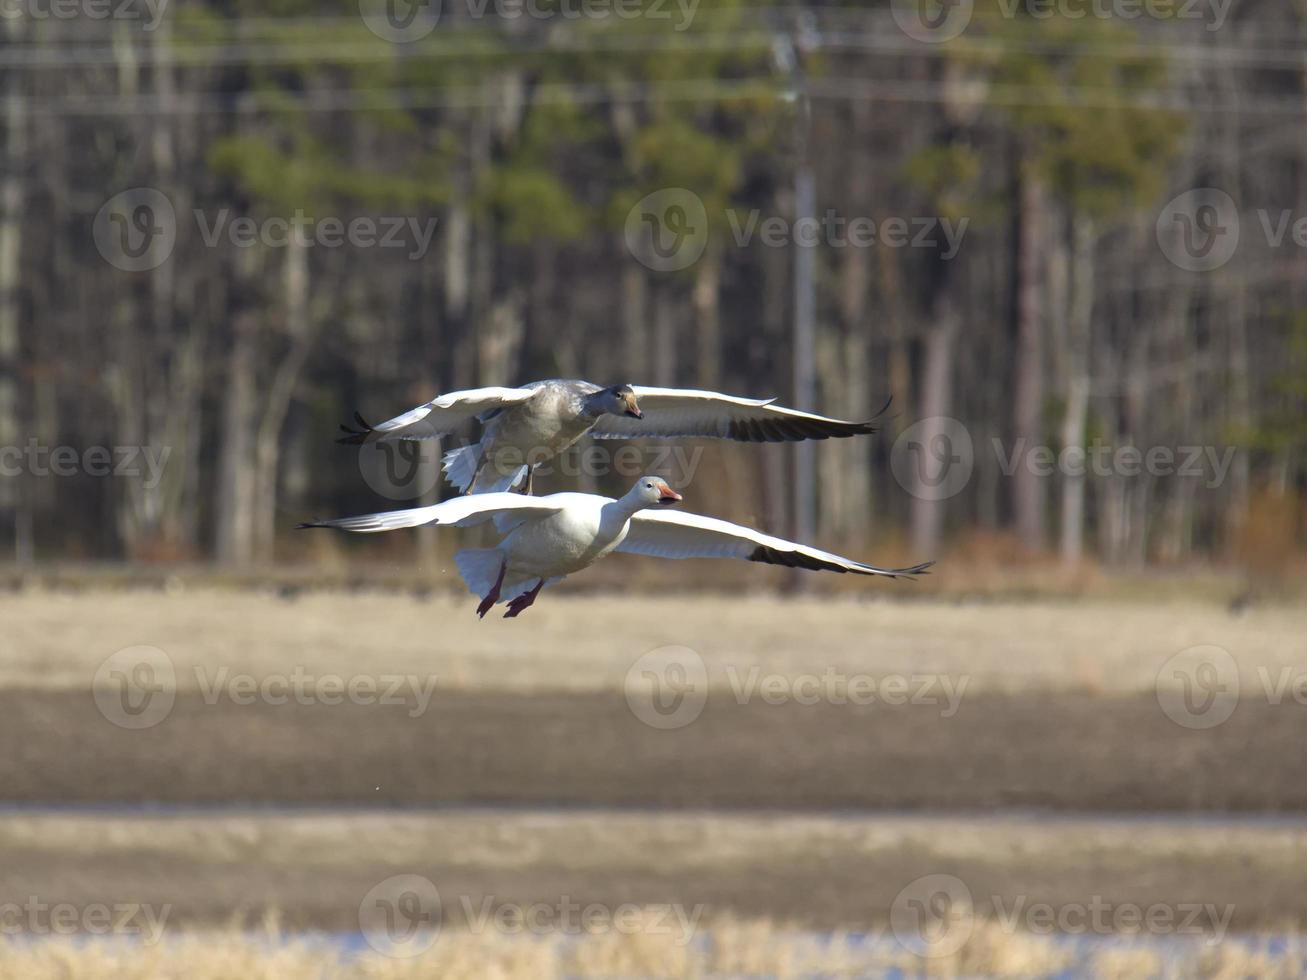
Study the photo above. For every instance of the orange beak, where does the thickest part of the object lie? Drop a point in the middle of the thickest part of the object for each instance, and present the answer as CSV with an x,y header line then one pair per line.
x,y
633,408
669,496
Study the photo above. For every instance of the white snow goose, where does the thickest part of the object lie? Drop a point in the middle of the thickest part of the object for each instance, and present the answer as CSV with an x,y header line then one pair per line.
x,y
547,538
523,427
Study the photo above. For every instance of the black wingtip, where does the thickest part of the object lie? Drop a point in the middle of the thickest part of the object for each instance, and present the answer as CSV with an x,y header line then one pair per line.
x,y
911,573
356,437
301,527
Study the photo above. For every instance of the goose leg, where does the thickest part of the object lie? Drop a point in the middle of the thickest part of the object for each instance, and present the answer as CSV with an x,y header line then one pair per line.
x,y
524,600
530,480
493,595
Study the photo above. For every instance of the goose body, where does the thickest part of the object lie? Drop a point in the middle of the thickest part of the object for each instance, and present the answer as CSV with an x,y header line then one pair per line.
x,y
547,538
524,427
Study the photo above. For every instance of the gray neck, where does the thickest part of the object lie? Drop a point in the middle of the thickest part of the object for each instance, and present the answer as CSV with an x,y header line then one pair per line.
x,y
592,405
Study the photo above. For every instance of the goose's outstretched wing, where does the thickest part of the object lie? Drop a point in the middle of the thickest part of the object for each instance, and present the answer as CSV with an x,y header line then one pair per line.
x,y
458,512
674,534
438,416
674,412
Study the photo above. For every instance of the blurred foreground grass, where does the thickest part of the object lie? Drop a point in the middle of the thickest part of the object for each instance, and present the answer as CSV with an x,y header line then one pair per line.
x,y
730,949
56,639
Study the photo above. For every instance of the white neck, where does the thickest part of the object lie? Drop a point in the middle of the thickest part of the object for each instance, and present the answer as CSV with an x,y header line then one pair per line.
x,y
624,508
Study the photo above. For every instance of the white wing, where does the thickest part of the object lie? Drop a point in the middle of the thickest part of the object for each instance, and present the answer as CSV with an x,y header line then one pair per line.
x,y
458,512
672,412
673,534
438,416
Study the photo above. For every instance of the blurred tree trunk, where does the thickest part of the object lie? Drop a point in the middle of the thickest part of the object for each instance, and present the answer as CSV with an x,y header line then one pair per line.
x,y
14,504
708,320
934,452
1075,414
635,330
1028,378
234,517
1240,413
844,365
298,328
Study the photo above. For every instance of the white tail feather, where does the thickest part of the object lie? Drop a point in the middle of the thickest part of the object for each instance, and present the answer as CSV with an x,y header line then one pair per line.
x,y
498,482
460,465
479,568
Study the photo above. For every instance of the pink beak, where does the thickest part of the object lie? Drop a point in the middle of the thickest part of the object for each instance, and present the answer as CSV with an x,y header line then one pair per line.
x,y
669,496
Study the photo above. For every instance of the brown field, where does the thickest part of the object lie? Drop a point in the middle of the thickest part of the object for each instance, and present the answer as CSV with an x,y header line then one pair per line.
x,y
527,777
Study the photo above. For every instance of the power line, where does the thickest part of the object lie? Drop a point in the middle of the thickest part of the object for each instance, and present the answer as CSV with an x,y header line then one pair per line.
x,y
681,90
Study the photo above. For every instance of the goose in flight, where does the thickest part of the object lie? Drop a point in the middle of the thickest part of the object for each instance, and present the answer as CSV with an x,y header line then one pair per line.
x,y
547,538
523,427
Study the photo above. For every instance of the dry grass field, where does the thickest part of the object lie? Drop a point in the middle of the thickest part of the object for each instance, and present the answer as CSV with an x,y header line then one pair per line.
x,y
1021,748
56,639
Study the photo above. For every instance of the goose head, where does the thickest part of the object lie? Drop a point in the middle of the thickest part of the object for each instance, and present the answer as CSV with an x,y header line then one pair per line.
x,y
620,400
652,491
